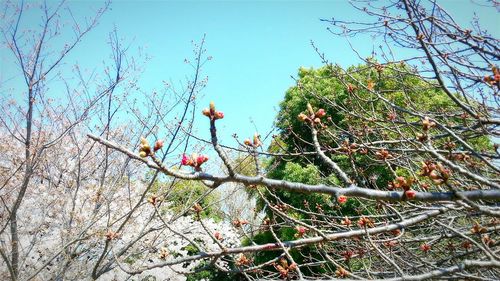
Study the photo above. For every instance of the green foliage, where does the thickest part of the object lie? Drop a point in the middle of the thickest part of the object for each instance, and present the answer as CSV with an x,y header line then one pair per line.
x,y
181,195
187,193
245,165
213,275
328,88
191,249
295,172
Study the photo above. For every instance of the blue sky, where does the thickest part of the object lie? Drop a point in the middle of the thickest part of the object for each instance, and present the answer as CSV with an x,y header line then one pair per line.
x,y
256,46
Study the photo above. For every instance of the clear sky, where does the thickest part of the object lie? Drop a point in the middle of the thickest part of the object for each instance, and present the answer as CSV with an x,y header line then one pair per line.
x,y
256,46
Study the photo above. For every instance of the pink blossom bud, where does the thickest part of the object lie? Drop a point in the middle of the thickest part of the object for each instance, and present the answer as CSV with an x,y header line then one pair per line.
x,y
425,247
217,235
185,160
320,113
218,115
158,145
301,229
410,194
201,159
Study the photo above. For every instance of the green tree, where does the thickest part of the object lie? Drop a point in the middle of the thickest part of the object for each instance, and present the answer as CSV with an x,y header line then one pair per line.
x,y
353,115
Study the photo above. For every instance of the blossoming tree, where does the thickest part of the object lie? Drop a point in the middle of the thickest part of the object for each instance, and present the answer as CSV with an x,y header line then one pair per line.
x,y
386,170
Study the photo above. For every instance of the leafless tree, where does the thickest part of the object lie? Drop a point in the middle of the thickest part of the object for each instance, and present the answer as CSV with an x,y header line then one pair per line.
x,y
438,219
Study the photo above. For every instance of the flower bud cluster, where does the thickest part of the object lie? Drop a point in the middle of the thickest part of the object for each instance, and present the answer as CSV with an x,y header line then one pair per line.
x,y
283,267
312,116
145,148
351,88
218,236
242,260
111,235
300,231
153,200
348,148
341,272
239,222
391,243
255,143
194,160
197,208
163,253
425,247
383,154
405,184
478,229
426,125
347,255
212,113
346,221
493,79
436,172
365,222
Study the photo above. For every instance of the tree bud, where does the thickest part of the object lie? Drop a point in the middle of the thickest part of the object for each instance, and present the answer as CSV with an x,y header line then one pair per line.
x,y
256,140
158,145
218,115
201,159
197,208
320,113
310,109
302,117
410,194
206,112
185,160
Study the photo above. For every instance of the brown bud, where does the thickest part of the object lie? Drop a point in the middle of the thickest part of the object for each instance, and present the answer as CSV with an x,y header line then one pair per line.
x,y
197,208
206,112
427,123
256,140
302,117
